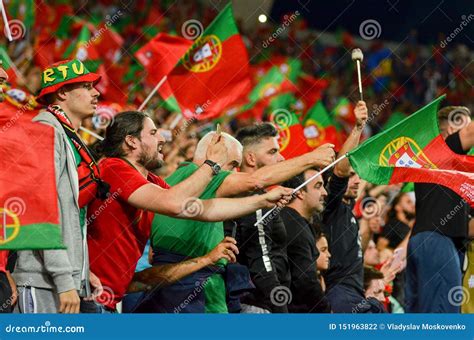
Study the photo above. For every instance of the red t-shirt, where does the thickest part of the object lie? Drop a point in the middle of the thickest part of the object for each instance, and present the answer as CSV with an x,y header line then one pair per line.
x,y
118,232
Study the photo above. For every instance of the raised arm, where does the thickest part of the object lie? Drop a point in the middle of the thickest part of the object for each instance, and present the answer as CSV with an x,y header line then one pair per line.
x,y
240,182
342,169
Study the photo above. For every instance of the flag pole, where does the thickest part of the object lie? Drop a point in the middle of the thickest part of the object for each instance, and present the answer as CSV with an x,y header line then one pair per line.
x,y
5,21
303,185
152,93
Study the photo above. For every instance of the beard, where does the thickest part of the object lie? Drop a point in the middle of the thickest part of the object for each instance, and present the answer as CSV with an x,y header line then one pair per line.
x,y
150,162
409,215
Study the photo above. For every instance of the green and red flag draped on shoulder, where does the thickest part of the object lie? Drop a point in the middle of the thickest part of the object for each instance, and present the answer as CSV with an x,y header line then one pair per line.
x,y
29,214
320,128
291,137
213,73
414,151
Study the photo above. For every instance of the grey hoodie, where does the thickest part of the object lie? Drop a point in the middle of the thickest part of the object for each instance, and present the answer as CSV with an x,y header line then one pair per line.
x,y
64,269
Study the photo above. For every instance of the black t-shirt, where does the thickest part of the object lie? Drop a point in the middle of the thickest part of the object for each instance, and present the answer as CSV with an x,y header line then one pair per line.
x,y
395,232
342,231
307,294
262,249
440,209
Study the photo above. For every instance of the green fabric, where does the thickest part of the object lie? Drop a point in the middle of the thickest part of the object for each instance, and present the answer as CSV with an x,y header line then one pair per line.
x,y
270,82
367,159
66,71
471,152
223,26
194,238
394,118
35,236
319,114
294,70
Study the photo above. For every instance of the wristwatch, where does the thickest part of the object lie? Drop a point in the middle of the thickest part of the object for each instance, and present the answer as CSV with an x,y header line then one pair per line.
x,y
216,168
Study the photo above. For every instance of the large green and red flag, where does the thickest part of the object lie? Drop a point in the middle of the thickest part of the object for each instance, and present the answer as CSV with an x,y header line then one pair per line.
x,y
213,73
394,118
320,127
414,151
291,137
29,215
160,55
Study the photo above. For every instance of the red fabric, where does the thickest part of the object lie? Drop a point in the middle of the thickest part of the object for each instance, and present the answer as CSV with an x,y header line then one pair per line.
x,y
118,232
161,54
3,260
453,171
215,89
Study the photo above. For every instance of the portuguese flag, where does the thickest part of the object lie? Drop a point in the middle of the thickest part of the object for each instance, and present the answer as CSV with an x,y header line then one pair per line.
x,y
414,151
320,128
272,83
344,111
214,71
160,55
29,216
291,137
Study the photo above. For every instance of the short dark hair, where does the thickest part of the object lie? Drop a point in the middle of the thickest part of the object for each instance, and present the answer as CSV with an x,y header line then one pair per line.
x,y
371,274
254,134
122,125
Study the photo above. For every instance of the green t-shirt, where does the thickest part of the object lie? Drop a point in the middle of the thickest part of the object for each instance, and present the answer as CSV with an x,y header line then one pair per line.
x,y
78,159
194,238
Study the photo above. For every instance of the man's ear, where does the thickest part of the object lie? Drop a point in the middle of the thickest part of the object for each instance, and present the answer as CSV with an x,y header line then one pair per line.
x,y
61,94
250,159
131,142
299,195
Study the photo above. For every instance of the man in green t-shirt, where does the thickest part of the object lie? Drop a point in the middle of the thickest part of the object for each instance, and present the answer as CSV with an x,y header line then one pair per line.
x,y
175,240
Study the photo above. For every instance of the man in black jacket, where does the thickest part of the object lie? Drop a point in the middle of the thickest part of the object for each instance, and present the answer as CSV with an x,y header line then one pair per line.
x,y
262,248
306,293
344,279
